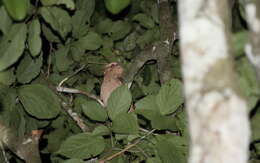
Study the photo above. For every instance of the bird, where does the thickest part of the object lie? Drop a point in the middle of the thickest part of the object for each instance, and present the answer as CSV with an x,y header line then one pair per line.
x,y
113,78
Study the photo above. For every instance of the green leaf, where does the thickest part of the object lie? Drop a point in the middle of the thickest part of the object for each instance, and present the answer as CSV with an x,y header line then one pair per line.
x,y
12,45
239,41
101,131
167,152
81,18
82,146
28,69
161,122
62,61
79,26
116,6
74,160
170,97
34,38
104,26
155,12
153,160
247,81
125,123
144,20
56,138
7,77
148,37
17,9
58,18
68,3
255,126
130,42
7,103
6,22
92,41
172,149
96,69
147,107
39,101
94,110
50,36
119,29
119,101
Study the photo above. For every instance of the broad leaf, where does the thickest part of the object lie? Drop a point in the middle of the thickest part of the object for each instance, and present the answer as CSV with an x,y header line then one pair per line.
x,y
34,38
68,3
147,107
130,41
5,22
50,36
148,37
170,97
39,101
12,45
239,41
170,150
144,20
94,110
58,18
101,131
255,126
79,26
153,160
119,101
247,81
74,160
91,41
161,122
81,18
104,26
119,29
28,69
125,123
7,77
82,146
62,61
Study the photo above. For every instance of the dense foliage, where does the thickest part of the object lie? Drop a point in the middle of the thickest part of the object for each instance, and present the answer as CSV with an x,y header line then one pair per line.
x,y
67,43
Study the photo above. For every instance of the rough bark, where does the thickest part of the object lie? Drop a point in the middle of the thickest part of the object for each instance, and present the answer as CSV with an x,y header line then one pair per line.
x,y
253,48
168,30
218,117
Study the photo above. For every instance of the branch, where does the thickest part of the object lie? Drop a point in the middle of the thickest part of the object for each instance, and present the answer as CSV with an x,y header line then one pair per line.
x,y
252,48
168,31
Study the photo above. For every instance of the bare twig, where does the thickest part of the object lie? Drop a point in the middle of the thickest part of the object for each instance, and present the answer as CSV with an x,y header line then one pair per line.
x,y
59,88
65,79
76,91
126,148
75,117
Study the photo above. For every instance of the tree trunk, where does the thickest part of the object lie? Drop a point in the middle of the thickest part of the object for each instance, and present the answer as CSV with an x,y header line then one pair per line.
x,y
218,115
253,48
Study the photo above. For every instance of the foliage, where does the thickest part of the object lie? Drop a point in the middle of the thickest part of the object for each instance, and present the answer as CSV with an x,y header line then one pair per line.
x,y
45,43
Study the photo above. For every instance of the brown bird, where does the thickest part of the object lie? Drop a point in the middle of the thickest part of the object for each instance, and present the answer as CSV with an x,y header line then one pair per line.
x,y
112,79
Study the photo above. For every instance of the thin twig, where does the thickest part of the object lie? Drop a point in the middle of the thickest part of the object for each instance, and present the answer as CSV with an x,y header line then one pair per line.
x,y
75,117
126,148
59,88
76,91
65,79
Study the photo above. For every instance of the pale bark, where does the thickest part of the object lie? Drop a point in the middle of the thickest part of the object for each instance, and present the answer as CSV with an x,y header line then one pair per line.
x,y
253,48
218,117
